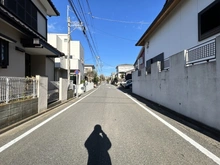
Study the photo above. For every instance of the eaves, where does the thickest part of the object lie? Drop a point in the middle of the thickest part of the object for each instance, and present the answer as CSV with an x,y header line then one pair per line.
x,y
168,7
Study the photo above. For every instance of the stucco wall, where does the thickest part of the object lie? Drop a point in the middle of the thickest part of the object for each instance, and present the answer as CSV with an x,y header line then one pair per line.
x,y
178,31
193,91
16,58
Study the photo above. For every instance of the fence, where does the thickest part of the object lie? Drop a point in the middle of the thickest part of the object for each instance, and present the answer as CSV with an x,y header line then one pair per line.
x,y
14,88
203,52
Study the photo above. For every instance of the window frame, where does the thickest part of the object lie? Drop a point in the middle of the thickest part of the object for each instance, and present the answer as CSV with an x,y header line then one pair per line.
x,y
4,62
212,31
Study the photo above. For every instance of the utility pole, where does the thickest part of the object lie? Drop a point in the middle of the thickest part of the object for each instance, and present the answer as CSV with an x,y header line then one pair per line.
x,y
68,45
69,23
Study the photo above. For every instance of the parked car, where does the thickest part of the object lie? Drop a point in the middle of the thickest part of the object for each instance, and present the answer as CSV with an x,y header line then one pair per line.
x,y
128,83
122,83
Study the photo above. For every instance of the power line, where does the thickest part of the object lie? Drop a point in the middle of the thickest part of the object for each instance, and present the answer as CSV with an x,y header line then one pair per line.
x,y
115,35
130,22
74,10
73,6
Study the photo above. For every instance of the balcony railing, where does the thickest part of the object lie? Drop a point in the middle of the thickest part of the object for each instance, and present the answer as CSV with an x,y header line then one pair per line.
x,y
200,53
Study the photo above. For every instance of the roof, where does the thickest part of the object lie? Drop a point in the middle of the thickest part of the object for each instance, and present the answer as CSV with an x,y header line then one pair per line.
x,y
168,7
89,65
51,9
124,65
121,65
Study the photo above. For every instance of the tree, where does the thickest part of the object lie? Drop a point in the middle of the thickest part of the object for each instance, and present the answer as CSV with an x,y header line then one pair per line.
x,y
90,75
102,77
95,78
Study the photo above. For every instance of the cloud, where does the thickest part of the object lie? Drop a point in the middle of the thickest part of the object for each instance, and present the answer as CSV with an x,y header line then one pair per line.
x,y
55,27
51,27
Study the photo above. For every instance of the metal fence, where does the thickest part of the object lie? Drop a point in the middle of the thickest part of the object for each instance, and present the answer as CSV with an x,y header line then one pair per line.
x,y
203,52
14,88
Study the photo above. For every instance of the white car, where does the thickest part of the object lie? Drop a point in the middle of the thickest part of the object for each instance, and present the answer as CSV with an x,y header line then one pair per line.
x,y
127,83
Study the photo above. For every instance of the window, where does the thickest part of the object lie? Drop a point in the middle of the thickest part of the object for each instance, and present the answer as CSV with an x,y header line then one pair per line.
x,y
209,21
141,60
4,54
23,9
159,57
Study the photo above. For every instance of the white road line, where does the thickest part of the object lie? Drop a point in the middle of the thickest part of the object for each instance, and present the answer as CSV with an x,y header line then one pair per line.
x,y
184,136
4,147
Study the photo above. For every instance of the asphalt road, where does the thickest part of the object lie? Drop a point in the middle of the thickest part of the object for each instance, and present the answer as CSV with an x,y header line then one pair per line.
x,y
104,127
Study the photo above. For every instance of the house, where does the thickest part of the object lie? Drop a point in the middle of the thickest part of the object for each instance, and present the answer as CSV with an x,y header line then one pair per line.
x,y
88,69
181,60
122,69
23,38
76,57
139,63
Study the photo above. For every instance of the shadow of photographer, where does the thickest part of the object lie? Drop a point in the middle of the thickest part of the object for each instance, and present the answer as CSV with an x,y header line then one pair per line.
x,y
97,146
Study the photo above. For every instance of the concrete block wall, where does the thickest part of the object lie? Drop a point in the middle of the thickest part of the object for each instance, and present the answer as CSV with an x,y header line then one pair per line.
x,y
193,91
17,111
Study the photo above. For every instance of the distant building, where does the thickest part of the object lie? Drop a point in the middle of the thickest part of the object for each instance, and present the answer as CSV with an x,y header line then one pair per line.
x,y
88,69
76,56
122,69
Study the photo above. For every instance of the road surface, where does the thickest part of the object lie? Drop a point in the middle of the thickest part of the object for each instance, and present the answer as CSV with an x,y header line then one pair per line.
x,y
106,126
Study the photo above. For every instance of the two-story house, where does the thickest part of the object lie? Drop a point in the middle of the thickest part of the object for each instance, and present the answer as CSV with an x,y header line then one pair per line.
x,y
60,41
24,50
181,60
122,69
88,71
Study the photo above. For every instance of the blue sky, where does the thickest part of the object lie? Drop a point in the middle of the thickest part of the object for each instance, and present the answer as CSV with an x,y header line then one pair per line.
x,y
115,27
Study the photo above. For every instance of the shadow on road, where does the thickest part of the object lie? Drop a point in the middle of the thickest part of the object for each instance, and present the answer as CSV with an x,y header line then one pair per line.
x,y
204,129
97,146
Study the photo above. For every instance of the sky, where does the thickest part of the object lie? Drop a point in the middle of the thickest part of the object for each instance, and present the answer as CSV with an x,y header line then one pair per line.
x,y
113,28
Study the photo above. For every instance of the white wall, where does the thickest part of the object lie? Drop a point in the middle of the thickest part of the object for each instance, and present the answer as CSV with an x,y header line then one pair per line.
x,y
179,31
192,91
76,51
52,40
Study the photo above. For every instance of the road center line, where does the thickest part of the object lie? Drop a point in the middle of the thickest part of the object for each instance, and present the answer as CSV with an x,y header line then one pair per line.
x,y
184,136
4,147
